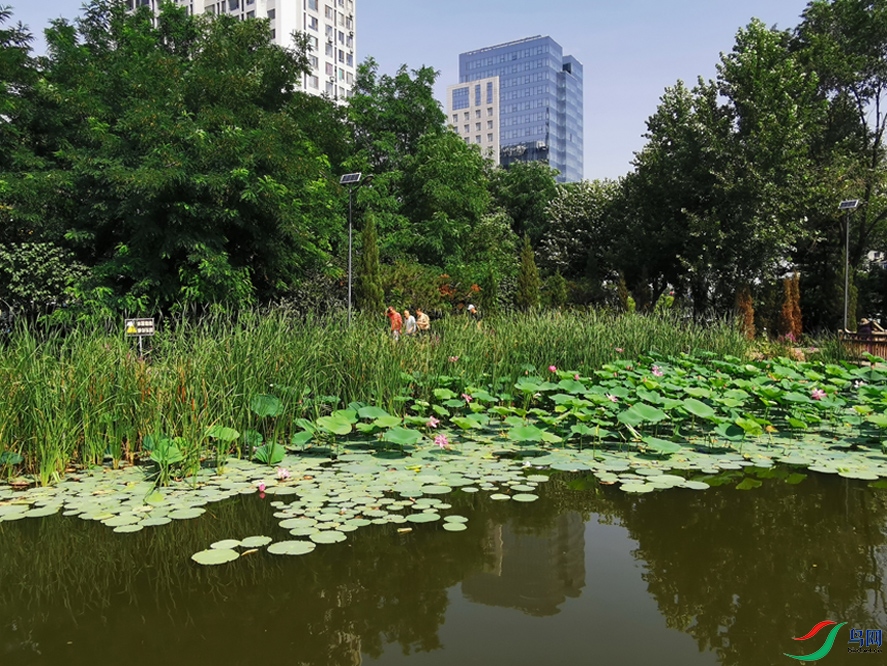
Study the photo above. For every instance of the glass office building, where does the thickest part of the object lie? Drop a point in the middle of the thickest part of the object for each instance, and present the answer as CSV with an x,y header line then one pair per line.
x,y
539,115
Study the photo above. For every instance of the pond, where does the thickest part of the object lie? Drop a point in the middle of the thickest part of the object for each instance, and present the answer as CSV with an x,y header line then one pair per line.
x,y
586,574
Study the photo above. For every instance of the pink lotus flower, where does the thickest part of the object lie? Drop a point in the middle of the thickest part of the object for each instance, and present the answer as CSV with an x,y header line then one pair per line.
x,y
619,350
552,368
261,487
612,398
283,473
432,422
453,359
657,372
576,376
467,397
817,394
442,441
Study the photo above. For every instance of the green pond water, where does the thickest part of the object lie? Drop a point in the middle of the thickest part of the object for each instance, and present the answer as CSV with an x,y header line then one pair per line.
x,y
585,575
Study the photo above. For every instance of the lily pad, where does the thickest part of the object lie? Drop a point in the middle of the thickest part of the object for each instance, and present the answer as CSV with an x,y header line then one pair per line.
x,y
292,547
455,527
215,556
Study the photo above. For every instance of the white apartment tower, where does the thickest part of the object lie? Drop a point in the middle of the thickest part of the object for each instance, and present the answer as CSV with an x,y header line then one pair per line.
x,y
329,24
473,112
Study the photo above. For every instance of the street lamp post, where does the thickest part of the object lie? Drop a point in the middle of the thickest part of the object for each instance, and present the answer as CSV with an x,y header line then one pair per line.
x,y
848,207
352,180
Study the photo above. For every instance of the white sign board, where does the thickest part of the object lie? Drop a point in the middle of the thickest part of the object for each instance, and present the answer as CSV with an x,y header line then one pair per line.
x,y
138,327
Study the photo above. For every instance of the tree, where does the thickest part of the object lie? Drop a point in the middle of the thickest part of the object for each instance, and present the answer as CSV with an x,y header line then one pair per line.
x,y
528,283
524,191
843,42
445,196
581,229
181,172
556,290
370,296
721,188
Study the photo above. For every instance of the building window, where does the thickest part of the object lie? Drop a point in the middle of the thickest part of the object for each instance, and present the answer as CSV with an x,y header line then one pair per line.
x,y
251,15
272,14
466,115
455,118
329,12
330,31
329,69
341,55
477,95
273,33
349,60
477,127
489,92
312,81
330,51
233,4
312,23
489,124
490,137
312,4
467,129
477,139
312,42
460,98
477,113
312,60
489,111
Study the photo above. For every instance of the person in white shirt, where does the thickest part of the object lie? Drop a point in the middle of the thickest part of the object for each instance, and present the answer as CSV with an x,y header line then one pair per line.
x,y
409,323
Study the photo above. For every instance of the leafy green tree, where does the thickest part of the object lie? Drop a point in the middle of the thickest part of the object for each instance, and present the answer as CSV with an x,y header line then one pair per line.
x,y
582,225
843,42
720,191
528,282
390,114
445,197
524,191
182,173
34,276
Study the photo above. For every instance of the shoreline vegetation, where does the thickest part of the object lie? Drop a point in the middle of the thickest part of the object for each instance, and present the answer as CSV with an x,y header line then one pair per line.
x,y
83,396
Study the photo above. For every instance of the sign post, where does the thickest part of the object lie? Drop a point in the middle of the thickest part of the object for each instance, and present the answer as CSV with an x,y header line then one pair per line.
x,y
138,328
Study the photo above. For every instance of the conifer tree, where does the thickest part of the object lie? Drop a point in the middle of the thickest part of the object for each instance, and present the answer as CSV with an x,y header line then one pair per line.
x,y
370,295
528,283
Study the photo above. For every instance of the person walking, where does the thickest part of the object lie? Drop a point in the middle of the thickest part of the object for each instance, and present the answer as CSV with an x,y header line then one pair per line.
x,y
396,322
423,323
409,327
473,314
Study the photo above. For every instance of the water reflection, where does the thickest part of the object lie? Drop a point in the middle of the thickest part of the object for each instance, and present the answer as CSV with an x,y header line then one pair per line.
x,y
739,572
532,570
742,572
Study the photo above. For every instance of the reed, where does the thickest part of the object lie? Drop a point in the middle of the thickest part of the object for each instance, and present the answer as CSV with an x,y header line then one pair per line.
x,y
84,396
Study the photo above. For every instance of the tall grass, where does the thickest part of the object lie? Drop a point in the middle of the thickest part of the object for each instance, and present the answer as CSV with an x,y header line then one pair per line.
x,y
83,396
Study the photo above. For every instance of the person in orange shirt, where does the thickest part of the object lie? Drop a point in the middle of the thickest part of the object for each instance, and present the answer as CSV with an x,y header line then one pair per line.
x,y
396,322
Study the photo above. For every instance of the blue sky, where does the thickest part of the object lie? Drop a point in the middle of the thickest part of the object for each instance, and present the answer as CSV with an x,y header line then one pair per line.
x,y
630,49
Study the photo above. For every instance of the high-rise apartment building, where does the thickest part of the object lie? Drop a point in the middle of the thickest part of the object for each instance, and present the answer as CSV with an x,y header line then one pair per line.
x,y
521,101
329,24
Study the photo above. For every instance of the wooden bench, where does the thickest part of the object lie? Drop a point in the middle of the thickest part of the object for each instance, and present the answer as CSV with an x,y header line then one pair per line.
x,y
874,343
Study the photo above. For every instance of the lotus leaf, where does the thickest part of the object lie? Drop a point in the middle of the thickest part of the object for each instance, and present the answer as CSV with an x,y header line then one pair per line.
x,y
265,405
